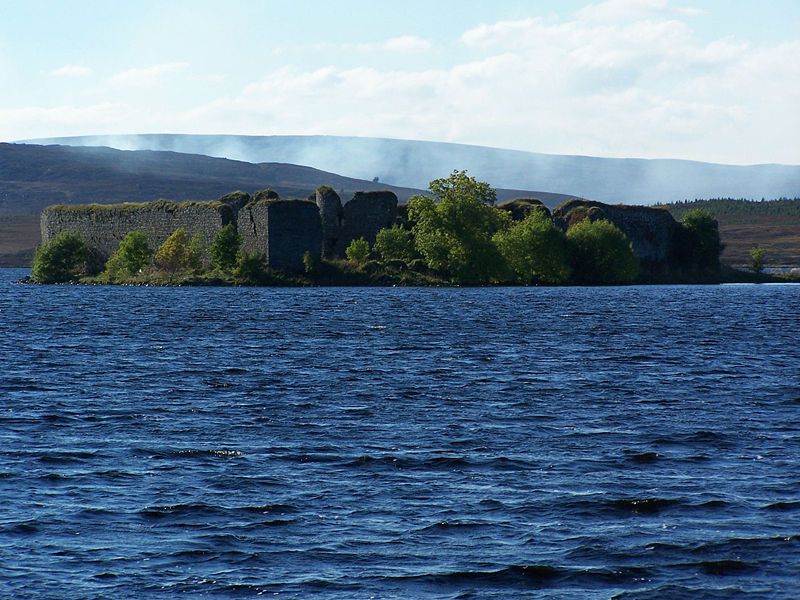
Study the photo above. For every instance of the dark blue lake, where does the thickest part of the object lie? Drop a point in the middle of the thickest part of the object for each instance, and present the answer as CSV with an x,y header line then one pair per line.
x,y
636,442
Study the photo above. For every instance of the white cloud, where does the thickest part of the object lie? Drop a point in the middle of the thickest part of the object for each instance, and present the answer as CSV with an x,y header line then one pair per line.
x,y
407,43
72,71
618,10
41,121
638,87
145,76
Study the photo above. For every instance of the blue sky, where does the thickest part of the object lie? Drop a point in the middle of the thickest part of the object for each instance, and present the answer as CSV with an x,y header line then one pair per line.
x,y
716,80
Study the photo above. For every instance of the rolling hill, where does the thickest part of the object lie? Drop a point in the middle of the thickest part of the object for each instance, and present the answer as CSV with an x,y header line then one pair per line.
x,y
414,163
34,176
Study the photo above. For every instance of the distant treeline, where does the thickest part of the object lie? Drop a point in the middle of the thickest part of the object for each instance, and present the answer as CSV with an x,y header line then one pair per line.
x,y
737,207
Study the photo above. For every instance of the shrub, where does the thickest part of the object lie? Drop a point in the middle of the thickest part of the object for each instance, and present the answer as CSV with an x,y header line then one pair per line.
x,y
358,251
175,253
197,251
311,263
60,259
535,249
757,255
132,255
225,248
250,268
396,264
600,253
418,266
701,240
395,243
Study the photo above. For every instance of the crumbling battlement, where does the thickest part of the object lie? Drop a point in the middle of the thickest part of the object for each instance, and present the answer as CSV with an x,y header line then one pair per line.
x,y
103,226
651,231
282,230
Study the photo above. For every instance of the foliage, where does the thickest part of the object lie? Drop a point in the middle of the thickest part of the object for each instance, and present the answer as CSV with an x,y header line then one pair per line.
x,y
460,186
395,243
535,249
701,245
225,248
358,251
454,236
757,255
723,208
311,263
600,253
60,259
197,251
250,268
175,254
132,255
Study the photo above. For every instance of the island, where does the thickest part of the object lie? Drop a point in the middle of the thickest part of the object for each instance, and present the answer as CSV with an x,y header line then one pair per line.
x,y
456,235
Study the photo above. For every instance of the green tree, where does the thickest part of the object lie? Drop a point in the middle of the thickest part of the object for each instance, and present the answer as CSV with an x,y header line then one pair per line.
x,y
197,251
395,243
225,248
460,186
60,259
132,255
358,251
311,263
454,236
250,268
702,246
175,253
600,253
535,249
757,255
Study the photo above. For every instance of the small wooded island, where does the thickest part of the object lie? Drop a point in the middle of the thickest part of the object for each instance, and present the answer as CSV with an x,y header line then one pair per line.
x,y
454,236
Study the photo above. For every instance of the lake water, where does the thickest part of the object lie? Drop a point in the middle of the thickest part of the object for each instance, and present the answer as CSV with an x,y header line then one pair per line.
x,y
635,442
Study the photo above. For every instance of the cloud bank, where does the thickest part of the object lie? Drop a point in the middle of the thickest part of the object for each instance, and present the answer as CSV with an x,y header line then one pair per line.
x,y
617,78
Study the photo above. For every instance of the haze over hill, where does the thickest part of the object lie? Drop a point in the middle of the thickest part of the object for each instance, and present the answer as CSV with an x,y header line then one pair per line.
x,y
33,176
414,163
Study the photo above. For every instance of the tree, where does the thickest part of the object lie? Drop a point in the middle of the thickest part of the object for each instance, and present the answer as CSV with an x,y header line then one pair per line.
x,y
395,243
197,250
132,255
600,253
454,236
225,248
250,268
60,259
358,251
757,255
461,186
175,253
701,240
535,249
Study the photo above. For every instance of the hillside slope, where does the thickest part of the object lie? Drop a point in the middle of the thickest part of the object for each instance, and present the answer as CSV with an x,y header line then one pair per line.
x,y
414,163
33,176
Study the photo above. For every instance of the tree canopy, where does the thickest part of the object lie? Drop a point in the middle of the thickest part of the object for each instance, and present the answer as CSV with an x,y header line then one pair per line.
x,y
60,259
535,250
600,253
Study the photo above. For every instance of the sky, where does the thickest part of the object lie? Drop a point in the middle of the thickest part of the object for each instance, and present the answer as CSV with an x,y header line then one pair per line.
x,y
715,80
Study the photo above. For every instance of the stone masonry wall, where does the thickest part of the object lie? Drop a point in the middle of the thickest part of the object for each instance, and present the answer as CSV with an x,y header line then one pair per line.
x,y
294,227
104,226
251,224
365,215
651,230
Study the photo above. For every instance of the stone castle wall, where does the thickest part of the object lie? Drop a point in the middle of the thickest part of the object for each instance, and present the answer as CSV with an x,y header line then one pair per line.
x,y
282,230
103,226
651,231
365,215
294,227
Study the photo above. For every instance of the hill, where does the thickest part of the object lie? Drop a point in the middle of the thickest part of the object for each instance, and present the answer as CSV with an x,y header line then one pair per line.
x,y
414,163
771,224
34,176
